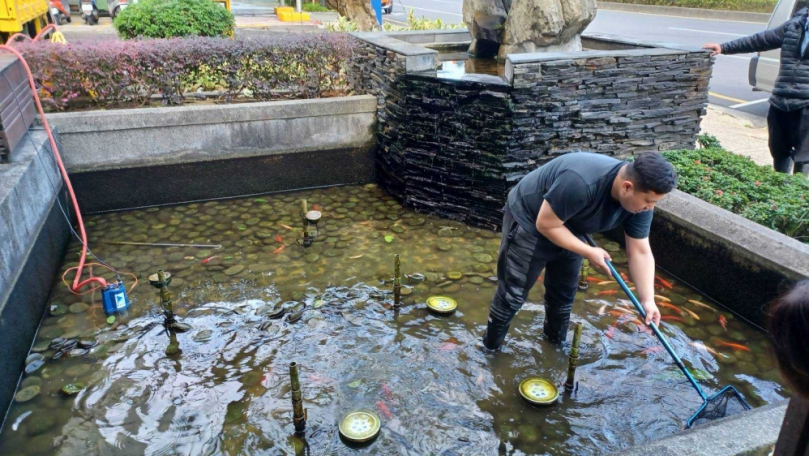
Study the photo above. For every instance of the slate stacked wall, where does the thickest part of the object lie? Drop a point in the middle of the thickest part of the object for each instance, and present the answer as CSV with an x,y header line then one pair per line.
x,y
455,147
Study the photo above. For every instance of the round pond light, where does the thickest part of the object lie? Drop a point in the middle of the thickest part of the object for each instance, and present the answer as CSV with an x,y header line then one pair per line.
x,y
538,391
442,304
360,426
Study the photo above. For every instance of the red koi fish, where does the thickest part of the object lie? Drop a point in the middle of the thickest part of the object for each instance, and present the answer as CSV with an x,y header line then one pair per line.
x,y
607,292
732,345
623,276
593,279
278,238
672,318
665,283
724,322
386,391
650,350
280,249
206,260
316,207
447,347
384,409
612,328
266,379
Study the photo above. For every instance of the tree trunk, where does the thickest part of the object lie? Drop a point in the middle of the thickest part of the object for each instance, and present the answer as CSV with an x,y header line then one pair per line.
x,y
357,11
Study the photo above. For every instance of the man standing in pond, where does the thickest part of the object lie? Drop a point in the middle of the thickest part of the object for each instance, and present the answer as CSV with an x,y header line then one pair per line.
x,y
547,215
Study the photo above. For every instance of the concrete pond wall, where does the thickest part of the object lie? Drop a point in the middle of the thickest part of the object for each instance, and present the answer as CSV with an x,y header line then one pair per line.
x,y
132,158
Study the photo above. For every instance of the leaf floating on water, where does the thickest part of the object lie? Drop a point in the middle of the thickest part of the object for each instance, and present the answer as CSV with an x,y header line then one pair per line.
x,y
319,303
242,227
355,384
111,319
259,200
388,239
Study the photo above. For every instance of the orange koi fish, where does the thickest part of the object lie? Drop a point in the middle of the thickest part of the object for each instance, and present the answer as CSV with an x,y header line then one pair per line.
x,y
280,249
672,318
616,313
206,260
701,346
724,322
732,345
593,279
612,328
700,304
670,306
285,226
662,298
384,409
621,311
650,350
607,292
623,276
606,282
278,238
693,315
665,283
316,207
386,391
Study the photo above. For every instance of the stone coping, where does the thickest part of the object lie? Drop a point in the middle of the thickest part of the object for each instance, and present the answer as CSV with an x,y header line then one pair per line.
x,y
745,238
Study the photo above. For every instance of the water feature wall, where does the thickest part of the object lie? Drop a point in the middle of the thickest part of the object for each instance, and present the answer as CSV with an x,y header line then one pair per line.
x,y
455,146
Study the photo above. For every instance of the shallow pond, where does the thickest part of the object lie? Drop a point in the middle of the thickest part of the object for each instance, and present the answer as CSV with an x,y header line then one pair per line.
x,y
227,389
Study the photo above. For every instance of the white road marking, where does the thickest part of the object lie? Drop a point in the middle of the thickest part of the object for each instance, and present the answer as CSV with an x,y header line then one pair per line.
x,y
430,10
705,31
749,103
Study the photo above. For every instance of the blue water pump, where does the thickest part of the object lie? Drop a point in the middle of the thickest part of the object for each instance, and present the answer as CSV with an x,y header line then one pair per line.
x,y
114,298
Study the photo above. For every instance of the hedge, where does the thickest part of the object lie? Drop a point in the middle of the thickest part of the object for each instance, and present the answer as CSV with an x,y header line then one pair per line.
x,y
123,73
755,6
174,18
736,183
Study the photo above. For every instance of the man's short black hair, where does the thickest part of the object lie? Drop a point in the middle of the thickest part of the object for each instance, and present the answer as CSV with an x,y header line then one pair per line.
x,y
652,172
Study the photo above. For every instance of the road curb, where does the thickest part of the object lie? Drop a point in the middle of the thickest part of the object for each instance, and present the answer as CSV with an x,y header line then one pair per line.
x,y
695,13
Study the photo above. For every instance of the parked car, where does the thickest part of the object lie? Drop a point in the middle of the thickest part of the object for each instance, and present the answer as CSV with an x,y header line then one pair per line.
x,y
764,66
116,6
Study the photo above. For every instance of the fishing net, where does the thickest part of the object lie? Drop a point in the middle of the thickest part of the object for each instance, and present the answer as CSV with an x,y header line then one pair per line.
x,y
724,403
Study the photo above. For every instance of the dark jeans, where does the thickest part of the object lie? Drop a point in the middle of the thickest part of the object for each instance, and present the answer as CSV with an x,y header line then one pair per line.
x,y
522,258
789,139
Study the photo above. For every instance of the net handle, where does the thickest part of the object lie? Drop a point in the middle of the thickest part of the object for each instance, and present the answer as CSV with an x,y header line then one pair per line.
x,y
654,327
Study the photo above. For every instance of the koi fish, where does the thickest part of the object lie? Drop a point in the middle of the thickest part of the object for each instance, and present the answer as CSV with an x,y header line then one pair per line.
x,y
672,318
607,292
479,379
314,378
384,409
606,282
316,207
650,350
285,226
693,315
620,311
447,346
280,249
266,379
355,257
732,345
612,328
724,322
616,313
662,298
700,304
623,276
206,260
593,279
386,391
665,283
670,306
602,310
278,238
189,258
701,346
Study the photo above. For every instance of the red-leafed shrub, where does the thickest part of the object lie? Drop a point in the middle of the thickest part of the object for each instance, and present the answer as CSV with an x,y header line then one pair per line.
x,y
126,73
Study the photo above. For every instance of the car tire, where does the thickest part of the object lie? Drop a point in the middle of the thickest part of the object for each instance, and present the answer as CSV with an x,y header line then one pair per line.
x,y
116,12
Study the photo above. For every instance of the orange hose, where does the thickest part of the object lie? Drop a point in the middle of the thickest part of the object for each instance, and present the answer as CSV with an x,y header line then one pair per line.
x,y
77,283
67,271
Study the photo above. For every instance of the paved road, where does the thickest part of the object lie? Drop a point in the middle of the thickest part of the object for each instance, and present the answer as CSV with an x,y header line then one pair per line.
x,y
729,86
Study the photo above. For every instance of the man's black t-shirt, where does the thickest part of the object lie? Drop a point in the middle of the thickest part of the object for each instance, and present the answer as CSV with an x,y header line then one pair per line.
x,y
578,187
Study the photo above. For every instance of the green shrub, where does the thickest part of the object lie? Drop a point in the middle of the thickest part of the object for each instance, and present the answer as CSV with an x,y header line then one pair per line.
x,y
756,6
736,183
314,8
413,23
174,18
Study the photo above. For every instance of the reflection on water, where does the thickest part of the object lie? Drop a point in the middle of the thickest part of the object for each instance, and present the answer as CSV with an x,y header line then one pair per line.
x,y
455,69
226,390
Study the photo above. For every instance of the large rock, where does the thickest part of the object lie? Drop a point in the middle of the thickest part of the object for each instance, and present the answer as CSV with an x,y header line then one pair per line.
x,y
358,11
529,25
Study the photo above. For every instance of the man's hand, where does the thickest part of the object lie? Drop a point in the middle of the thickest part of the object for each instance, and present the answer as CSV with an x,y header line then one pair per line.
x,y
597,257
652,312
715,48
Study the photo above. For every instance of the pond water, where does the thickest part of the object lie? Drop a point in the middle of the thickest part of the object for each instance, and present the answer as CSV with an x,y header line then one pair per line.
x,y
227,389
455,65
